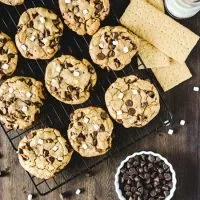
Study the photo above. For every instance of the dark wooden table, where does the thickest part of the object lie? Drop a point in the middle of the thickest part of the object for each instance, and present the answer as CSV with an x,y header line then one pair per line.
x,y
182,149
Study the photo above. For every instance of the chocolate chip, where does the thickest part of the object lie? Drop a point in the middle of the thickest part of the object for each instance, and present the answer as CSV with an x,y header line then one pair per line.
x,y
3,173
49,140
129,102
131,111
103,115
45,152
111,53
20,151
102,128
101,56
30,24
50,159
34,15
10,56
117,62
56,22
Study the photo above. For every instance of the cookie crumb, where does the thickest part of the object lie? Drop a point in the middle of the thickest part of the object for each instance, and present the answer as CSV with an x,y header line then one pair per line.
x,y
55,148
196,89
182,122
170,131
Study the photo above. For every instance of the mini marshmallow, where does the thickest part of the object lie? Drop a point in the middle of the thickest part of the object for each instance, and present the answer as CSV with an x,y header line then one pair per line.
x,y
135,91
5,66
24,47
10,90
182,122
45,40
78,191
40,141
42,20
125,49
32,38
85,146
30,197
85,120
76,73
55,148
121,95
60,158
119,112
115,42
53,82
196,89
85,11
68,1
58,68
28,94
170,131
101,45
24,108
96,127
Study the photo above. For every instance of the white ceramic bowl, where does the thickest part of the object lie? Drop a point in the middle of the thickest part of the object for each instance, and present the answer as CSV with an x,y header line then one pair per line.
x,y
174,181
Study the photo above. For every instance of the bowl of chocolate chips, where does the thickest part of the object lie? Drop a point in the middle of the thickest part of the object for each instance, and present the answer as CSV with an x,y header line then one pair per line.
x,y
145,176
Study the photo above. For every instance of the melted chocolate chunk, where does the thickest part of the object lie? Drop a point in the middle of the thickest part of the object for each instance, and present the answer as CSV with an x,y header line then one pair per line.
x,y
104,115
101,56
131,111
129,102
50,159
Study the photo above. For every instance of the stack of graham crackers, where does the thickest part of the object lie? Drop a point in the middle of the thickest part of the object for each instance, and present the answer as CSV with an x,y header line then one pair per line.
x,y
165,44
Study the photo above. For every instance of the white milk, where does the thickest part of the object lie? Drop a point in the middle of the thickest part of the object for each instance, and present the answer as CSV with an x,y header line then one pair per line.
x,y
182,8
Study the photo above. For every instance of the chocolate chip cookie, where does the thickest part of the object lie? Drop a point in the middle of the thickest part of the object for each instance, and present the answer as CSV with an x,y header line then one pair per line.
x,y
70,80
12,2
20,101
83,16
113,47
90,131
132,102
8,56
39,33
44,152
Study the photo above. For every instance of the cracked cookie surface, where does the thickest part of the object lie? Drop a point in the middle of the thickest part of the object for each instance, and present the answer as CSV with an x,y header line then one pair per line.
x,y
8,56
90,131
70,80
20,101
39,33
44,152
113,47
132,102
12,2
83,16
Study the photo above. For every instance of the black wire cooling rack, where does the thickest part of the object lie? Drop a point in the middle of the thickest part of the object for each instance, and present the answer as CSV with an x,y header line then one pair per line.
x,y
56,114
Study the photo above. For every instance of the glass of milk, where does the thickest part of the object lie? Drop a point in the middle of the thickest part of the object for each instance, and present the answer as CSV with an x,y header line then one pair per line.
x,y
182,8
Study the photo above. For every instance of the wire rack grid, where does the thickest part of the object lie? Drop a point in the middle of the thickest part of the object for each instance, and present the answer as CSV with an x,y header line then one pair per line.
x,y
56,114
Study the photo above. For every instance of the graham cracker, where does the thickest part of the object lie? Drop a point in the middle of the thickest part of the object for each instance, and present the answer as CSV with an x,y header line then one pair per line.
x,y
151,56
159,4
173,75
170,37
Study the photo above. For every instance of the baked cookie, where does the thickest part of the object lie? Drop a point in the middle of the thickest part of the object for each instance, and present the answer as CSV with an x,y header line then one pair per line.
x,y
70,80
44,152
90,131
113,47
8,56
39,33
132,102
83,16
20,101
12,2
